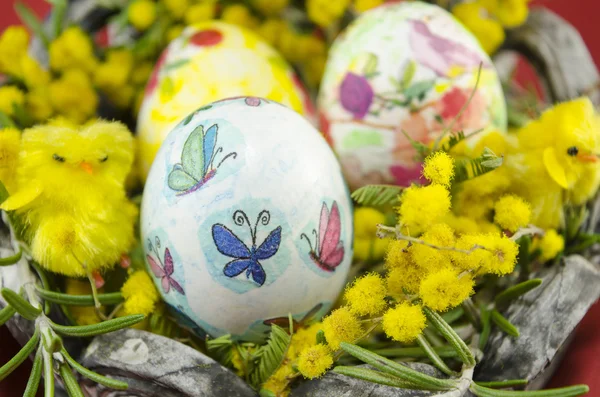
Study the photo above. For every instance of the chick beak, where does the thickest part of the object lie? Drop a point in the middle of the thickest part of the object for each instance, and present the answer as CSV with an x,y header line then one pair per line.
x,y
87,167
588,158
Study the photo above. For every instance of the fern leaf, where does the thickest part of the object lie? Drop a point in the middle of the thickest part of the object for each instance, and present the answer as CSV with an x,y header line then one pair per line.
x,y
270,356
471,168
377,195
221,349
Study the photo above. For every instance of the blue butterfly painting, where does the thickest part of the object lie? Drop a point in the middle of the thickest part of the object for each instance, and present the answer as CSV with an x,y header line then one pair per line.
x,y
247,259
197,161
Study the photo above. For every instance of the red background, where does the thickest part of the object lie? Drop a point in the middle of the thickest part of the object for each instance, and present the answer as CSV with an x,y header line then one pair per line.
x,y
582,363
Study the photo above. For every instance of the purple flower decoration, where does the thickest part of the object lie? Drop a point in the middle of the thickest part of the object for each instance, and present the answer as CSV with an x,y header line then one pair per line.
x,y
356,95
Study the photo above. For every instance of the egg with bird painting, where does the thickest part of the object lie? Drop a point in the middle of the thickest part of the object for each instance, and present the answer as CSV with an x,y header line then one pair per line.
x,y
208,62
404,73
241,228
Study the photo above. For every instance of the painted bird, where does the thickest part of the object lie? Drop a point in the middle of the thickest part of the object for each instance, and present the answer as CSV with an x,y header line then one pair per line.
x,y
554,160
70,197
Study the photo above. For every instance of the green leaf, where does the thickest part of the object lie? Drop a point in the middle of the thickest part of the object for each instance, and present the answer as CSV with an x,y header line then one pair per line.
x,y
11,260
70,382
398,370
409,73
22,307
5,122
103,380
3,192
433,356
220,349
266,393
34,378
44,280
418,89
377,195
192,155
59,8
370,64
112,298
374,377
486,327
6,314
453,315
321,337
84,331
571,391
501,384
421,148
30,20
48,374
516,291
415,352
175,65
504,324
466,169
270,356
464,353
21,356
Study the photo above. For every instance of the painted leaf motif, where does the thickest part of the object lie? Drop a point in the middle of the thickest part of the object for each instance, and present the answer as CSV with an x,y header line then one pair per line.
x,y
180,180
210,141
192,156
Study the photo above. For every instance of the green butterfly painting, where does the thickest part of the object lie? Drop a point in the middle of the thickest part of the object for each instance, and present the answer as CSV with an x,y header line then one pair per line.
x,y
197,161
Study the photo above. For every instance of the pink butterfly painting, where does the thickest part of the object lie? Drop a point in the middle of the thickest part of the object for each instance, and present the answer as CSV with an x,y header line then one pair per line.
x,y
164,270
328,251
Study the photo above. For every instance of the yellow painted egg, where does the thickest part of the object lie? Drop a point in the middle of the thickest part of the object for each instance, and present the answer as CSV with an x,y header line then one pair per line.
x,y
211,61
398,73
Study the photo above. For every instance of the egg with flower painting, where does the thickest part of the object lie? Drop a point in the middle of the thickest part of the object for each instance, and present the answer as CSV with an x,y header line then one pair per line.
x,y
404,72
240,227
208,62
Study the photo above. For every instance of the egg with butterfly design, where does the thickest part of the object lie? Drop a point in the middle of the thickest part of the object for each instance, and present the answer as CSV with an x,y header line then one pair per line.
x,y
247,218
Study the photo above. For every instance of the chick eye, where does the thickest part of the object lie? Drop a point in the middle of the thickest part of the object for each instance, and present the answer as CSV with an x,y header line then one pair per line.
x,y
103,159
58,158
572,151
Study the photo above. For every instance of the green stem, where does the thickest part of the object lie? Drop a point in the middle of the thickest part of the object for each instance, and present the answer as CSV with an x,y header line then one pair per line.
x,y
415,352
21,356
70,382
374,377
6,314
11,260
503,383
103,380
433,356
112,298
84,331
486,327
472,313
516,291
571,391
503,323
36,375
464,353
48,374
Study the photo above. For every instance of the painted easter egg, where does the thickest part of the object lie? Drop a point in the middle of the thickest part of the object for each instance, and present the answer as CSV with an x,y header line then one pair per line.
x,y
209,62
403,72
240,226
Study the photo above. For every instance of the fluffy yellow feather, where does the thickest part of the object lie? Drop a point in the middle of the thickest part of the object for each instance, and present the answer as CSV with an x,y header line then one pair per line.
x,y
554,160
70,195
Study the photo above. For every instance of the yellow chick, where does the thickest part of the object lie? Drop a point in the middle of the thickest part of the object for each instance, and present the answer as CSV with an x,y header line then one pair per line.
x,y
555,160
71,198
10,139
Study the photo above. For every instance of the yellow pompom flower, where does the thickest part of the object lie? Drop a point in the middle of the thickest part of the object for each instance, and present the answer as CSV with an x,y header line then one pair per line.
x,y
174,32
113,74
326,12
476,257
73,96
141,14
83,315
10,142
550,245
176,8
398,255
314,69
439,168
366,220
404,323
200,12
503,254
341,326
279,381
476,18
238,14
510,13
13,46
400,281
270,7
431,259
365,5
37,103
34,75
444,289
140,294
271,30
141,73
423,206
461,224
366,295
10,97
303,338
314,361
512,212
72,49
